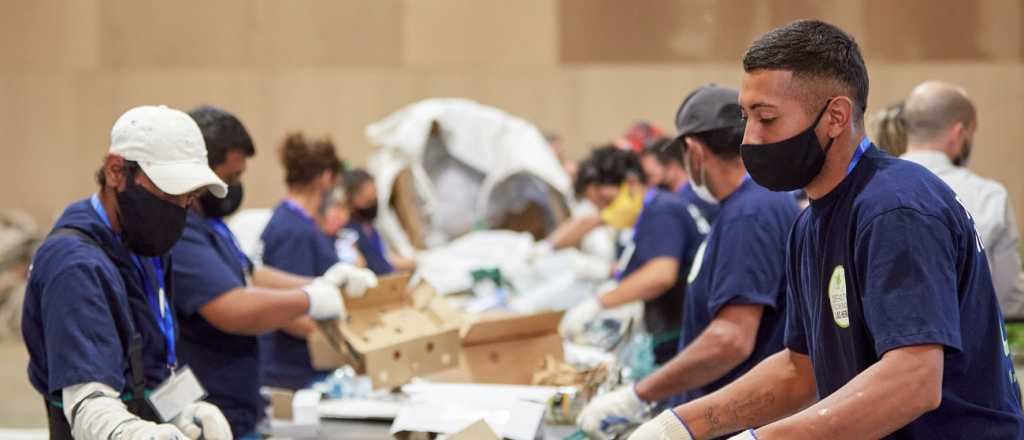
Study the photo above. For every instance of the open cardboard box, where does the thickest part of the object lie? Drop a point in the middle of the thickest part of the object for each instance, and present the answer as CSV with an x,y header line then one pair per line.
x,y
506,349
391,334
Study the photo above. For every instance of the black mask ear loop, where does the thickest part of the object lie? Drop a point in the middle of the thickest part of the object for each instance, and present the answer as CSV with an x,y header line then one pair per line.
x,y
818,119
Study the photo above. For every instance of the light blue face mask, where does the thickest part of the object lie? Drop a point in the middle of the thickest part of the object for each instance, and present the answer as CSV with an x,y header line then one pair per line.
x,y
701,189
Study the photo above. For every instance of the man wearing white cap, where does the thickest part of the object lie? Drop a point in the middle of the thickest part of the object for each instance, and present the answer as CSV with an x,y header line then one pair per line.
x,y
97,320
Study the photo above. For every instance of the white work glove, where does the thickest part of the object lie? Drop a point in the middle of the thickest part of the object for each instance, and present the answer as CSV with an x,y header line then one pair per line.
x,y
591,268
355,280
142,429
95,412
577,317
621,406
667,426
540,250
203,420
324,300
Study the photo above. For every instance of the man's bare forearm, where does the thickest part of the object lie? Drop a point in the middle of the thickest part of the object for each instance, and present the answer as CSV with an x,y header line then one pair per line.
x,y
268,277
903,385
778,386
722,346
648,282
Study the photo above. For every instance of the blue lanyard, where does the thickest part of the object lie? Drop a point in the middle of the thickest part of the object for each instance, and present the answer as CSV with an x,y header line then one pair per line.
x,y
221,229
864,145
157,299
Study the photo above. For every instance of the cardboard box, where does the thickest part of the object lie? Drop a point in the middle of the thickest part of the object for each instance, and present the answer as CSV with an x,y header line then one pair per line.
x,y
391,334
506,349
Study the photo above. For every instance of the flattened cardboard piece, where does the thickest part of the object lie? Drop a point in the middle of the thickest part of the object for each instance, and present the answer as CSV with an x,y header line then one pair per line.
x,y
391,335
477,431
506,349
447,408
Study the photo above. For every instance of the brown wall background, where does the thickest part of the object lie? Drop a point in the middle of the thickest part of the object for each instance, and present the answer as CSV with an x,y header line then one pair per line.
x,y
583,68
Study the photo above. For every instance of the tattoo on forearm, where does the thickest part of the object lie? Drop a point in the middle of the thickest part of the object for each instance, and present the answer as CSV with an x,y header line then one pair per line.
x,y
746,412
712,418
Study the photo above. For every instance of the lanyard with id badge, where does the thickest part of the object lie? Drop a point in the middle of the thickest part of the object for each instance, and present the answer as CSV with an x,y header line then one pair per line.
x,y
182,388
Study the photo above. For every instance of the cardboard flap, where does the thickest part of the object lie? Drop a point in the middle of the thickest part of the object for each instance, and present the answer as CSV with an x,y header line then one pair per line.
x,y
477,431
390,289
509,328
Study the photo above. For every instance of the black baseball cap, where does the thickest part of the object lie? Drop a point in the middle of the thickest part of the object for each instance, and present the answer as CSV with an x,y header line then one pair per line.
x,y
710,107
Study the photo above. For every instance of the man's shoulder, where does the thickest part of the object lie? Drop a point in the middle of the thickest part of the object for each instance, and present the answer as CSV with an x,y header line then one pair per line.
x,y
895,184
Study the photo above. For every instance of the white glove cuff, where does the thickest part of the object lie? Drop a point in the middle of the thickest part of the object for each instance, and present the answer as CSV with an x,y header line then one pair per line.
x,y
323,299
639,400
745,435
672,425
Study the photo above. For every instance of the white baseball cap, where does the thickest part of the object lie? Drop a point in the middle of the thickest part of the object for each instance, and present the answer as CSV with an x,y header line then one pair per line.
x,y
168,146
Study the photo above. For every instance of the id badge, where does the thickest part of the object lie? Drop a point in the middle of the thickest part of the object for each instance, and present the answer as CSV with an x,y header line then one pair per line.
x,y
177,392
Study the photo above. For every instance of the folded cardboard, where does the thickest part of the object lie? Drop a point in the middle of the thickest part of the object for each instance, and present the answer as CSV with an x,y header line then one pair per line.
x,y
391,334
477,431
506,349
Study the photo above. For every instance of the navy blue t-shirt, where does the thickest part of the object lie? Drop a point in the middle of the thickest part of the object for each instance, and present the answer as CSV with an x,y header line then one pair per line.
x,y
664,229
372,248
703,212
82,307
208,265
888,259
292,242
743,261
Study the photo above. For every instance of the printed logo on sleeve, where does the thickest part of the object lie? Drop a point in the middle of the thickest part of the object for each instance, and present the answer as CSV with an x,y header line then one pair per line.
x,y
837,297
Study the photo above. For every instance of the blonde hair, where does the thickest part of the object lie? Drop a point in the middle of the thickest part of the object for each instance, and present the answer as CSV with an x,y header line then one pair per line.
x,y
890,129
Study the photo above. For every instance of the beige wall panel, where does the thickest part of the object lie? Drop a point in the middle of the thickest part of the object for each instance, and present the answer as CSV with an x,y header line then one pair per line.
x,y
153,33
943,30
480,32
48,34
612,98
612,31
41,154
327,32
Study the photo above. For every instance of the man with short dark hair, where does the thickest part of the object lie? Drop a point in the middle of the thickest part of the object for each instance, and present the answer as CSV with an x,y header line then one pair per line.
x,y
940,125
224,301
893,329
733,312
655,263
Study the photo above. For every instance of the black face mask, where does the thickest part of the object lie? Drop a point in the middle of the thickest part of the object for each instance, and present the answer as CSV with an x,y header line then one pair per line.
x,y
961,159
150,225
789,164
367,214
217,208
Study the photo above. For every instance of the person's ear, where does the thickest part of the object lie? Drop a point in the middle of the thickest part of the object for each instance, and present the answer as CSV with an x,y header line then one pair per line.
x,y
839,115
114,172
694,152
